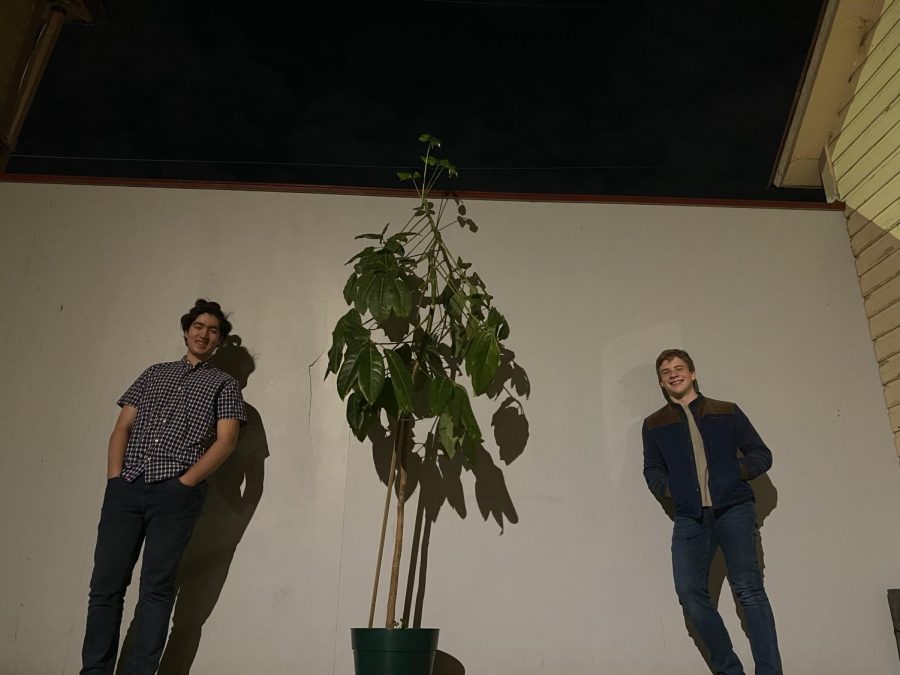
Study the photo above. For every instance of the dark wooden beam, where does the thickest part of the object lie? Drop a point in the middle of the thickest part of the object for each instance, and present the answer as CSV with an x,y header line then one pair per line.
x,y
36,35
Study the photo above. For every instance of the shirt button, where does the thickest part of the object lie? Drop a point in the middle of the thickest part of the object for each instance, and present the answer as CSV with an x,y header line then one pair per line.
x,y
156,440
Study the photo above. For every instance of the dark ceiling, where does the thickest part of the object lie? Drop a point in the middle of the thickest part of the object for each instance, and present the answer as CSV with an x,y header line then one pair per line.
x,y
655,98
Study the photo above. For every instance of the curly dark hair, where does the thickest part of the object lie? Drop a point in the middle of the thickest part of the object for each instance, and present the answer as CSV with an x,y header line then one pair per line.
x,y
207,307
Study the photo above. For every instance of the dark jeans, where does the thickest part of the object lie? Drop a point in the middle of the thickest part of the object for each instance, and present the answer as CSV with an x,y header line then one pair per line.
x,y
694,542
161,516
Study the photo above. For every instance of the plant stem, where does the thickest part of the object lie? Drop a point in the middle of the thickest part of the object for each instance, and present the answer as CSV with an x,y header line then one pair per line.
x,y
398,432
399,454
390,619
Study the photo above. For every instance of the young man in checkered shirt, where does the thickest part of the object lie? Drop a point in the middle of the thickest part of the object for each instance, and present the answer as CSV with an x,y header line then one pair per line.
x,y
179,421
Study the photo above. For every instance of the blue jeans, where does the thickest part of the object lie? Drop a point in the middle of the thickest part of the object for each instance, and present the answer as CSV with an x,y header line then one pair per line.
x,y
694,543
162,517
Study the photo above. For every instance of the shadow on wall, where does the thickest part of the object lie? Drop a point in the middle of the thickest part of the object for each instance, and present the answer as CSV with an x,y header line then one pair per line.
x,y
444,664
234,493
635,387
438,480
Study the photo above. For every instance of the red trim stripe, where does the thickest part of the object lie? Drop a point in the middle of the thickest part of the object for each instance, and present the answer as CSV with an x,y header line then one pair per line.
x,y
405,192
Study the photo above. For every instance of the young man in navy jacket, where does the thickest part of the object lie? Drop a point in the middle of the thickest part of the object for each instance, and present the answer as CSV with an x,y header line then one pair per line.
x,y
701,452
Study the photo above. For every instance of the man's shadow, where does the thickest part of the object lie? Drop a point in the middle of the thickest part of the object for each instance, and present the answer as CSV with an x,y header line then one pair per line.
x,y
231,501
234,494
634,385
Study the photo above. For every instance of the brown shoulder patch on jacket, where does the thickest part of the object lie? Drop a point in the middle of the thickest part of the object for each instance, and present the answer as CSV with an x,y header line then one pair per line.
x,y
662,417
711,406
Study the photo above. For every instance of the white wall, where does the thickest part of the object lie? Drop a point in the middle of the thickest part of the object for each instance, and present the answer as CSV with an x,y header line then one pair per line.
x,y
92,281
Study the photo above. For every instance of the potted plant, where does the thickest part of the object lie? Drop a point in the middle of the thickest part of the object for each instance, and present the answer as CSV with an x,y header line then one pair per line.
x,y
420,332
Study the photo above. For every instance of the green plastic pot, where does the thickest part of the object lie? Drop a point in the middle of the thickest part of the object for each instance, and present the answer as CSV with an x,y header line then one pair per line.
x,y
398,651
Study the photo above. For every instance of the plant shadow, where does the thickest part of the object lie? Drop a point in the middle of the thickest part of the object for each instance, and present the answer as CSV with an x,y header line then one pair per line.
x,y
438,481
234,493
444,664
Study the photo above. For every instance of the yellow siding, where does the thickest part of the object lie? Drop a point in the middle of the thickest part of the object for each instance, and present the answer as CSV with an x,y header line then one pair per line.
x,y
881,273
855,222
885,321
866,237
865,155
865,151
876,195
883,297
879,250
890,369
887,345
894,414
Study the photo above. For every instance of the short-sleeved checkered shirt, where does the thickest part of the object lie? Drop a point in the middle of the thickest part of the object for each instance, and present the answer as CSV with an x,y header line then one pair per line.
x,y
178,406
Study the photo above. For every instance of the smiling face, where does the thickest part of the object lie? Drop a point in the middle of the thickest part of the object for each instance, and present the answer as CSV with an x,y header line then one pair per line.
x,y
677,380
202,338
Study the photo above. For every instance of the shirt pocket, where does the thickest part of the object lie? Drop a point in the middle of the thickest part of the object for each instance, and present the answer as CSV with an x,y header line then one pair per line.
x,y
200,419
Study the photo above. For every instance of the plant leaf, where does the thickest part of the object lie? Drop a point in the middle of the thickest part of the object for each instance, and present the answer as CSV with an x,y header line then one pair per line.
x,y
482,360
362,292
373,297
348,330
370,371
402,380
456,304
461,410
389,299
401,236
347,325
498,323
347,374
440,391
458,339
366,251
387,399
335,355
503,331
360,415
447,435
394,247
403,299
356,415
473,328
349,287
354,331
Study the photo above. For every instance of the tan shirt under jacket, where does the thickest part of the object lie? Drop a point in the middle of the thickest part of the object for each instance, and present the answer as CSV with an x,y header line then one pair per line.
x,y
699,457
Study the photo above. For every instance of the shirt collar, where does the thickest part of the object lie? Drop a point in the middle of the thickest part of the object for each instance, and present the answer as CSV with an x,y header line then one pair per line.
x,y
696,401
200,365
